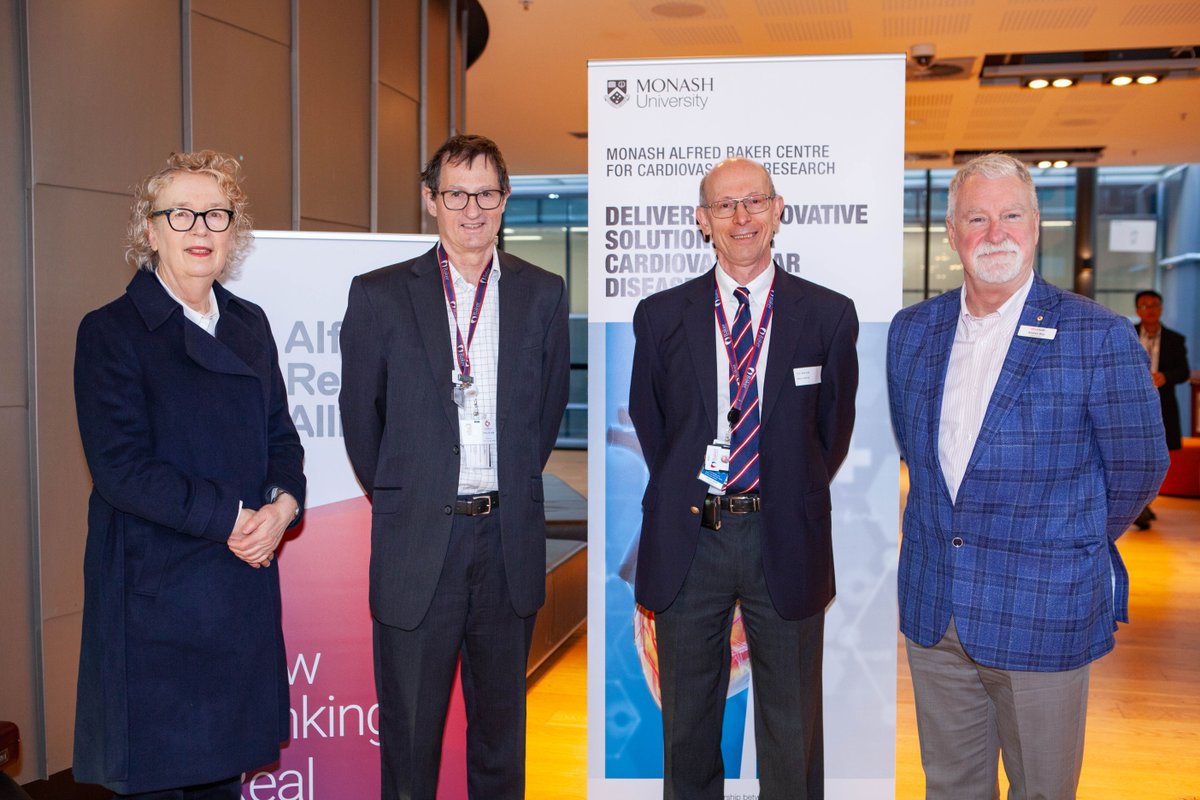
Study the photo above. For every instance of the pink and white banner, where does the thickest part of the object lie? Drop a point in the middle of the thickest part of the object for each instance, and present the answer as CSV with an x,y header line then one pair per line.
x,y
301,280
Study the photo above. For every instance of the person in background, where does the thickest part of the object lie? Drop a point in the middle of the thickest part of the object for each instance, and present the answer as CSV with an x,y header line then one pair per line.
x,y
197,473
1167,350
455,368
1033,437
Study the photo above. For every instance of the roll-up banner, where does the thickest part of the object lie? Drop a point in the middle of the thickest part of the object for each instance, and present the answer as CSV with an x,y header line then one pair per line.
x,y
830,130
302,280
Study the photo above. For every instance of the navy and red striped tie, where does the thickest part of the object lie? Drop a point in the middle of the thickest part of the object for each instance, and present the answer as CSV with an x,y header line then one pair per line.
x,y
743,440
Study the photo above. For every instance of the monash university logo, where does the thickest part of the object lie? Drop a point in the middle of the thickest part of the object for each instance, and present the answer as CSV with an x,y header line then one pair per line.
x,y
618,92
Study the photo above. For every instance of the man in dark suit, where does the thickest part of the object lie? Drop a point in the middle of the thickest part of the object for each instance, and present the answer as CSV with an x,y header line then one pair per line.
x,y
1167,350
1033,437
737,508
454,379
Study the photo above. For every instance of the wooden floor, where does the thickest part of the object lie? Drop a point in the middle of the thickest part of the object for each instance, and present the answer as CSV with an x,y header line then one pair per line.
x,y
1143,731
1143,735
556,764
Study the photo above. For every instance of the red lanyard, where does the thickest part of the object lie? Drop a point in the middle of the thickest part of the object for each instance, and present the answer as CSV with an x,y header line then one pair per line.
x,y
743,378
463,351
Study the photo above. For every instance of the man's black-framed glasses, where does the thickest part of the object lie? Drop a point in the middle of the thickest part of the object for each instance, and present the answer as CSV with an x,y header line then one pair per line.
x,y
487,200
754,203
184,219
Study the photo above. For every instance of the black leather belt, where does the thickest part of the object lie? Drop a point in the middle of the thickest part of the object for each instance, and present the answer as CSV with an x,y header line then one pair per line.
x,y
477,505
730,503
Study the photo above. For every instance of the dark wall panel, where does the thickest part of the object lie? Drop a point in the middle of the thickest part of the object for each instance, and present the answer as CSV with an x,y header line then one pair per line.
x,y
399,164
400,46
242,106
18,652
269,18
67,287
17,656
12,218
316,224
105,93
335,111
437,115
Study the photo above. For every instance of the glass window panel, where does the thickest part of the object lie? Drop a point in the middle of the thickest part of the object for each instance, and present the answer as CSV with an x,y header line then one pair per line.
x,y
578,283
542,245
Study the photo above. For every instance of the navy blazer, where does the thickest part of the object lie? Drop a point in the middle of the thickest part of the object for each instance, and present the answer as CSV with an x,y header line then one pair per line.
x,y
182,677
401,424
1070,450
1173,364
805,434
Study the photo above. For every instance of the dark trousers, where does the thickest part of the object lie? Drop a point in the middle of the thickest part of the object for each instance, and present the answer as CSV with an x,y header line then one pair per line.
x,y
693,658
472,617
230,789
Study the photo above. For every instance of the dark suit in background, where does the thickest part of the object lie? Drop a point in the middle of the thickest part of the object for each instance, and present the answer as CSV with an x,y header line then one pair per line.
x,y
451,576
1173,364
777,562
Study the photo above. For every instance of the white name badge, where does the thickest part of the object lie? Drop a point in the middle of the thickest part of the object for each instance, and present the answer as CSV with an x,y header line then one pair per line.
x,y
715,471
806,376
476,430
1034,332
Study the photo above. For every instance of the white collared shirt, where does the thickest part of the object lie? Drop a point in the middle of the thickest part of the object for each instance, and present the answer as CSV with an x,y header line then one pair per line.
x,y
759,288
976,359
485,355
1151,343
207,322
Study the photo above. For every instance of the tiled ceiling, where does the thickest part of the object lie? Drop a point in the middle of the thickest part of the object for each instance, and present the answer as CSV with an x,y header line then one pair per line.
x,y
527,90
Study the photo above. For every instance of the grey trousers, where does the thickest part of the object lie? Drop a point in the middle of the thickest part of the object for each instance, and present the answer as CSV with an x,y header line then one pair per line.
x,y
969,715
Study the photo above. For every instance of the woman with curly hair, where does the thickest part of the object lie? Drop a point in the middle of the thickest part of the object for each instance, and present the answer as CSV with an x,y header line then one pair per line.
x,y
197,473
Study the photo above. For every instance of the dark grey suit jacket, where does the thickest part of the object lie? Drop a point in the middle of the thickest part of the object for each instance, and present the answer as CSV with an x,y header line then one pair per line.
x,y
401,424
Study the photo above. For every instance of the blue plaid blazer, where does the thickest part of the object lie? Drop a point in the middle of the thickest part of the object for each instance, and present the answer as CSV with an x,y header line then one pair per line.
x,y
1070,450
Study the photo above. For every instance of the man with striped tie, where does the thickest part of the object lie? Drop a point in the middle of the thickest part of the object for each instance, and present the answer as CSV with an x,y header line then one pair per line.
x,y
742,396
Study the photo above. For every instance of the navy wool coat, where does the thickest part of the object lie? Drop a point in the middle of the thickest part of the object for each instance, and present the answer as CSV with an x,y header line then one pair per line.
x,y
182,676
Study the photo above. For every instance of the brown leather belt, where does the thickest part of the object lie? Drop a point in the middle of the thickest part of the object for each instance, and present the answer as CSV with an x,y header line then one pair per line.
x,y
477,505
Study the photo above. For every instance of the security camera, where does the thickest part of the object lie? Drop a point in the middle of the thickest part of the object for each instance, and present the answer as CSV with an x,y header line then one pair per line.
x,y
923,54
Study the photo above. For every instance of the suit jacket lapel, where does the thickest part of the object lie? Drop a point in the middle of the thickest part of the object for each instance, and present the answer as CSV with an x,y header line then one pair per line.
x,y
942,326
429,308
515,304
786,328
699,324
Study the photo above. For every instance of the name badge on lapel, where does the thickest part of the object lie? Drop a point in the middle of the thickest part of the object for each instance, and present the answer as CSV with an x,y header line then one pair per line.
x,y
806,376
1034,332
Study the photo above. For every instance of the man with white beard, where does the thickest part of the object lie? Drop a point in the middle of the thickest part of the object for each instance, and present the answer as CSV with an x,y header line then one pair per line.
x,y
1033,437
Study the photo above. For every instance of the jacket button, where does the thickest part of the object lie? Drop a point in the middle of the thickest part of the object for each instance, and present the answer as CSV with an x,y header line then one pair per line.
x,y
448,510
957,541
695,510
454,449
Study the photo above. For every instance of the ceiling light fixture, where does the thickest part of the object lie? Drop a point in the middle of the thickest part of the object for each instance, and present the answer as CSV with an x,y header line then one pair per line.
x,y
1096,67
